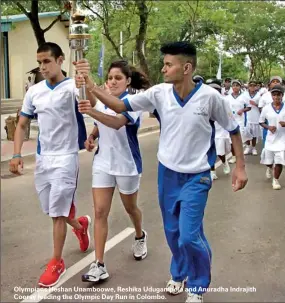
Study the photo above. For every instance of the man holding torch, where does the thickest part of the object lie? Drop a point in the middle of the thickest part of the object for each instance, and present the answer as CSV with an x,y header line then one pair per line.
x,y
61,134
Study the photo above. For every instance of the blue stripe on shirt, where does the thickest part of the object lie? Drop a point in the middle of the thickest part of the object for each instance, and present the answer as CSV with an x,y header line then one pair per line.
x,y
26,115
39,145
131,131
129,117
128,106
82,135
212,155
235,131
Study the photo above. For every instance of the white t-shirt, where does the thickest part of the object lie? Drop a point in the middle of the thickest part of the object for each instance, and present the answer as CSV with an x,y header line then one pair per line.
x,y
61,127
118,151
254,113
220,132
225,92
267,99
236,104
276,141
187,143
262,91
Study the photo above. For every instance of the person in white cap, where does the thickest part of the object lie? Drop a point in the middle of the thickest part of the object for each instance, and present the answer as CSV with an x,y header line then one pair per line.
x,y
239,107
252,97
274,148
267,97
222,141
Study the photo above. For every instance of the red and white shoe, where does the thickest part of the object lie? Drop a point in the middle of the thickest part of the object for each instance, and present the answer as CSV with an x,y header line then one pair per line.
x,y
83,234
52,274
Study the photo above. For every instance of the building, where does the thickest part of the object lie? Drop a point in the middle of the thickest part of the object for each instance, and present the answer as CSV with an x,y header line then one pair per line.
x,y
18,49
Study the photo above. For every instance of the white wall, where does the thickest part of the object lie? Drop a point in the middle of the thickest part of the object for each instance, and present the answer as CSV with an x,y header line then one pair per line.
x,y
23,47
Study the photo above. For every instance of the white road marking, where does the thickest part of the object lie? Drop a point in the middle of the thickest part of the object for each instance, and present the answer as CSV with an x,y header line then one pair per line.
x,y
42,293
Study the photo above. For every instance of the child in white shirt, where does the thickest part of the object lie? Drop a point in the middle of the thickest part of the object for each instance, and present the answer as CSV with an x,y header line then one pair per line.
x,y
274,149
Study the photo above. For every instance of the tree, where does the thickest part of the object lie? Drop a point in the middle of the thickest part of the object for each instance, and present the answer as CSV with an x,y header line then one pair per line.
x,y
32,8
258,33
119,15
143,13
103,11
235,28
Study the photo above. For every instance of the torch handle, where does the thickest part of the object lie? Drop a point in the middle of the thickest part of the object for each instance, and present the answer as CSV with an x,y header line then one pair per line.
x,y
79,56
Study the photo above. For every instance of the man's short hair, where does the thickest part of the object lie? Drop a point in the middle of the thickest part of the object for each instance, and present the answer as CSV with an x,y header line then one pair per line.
x,y
181,48
54,49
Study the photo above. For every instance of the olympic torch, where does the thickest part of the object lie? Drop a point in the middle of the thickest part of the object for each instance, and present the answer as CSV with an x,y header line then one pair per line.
x,y
78,37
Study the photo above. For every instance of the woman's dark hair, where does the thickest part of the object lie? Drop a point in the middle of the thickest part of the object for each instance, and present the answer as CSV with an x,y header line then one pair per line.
x,y
138,79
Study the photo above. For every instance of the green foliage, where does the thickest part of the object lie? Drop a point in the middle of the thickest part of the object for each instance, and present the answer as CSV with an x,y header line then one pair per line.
x,y
241,29
9,7
257,30
247,29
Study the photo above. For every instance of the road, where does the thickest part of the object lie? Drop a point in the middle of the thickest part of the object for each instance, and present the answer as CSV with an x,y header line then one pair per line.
x,y
245,229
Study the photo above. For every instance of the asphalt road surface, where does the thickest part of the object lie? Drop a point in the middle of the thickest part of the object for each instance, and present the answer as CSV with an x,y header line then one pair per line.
x,y
245,230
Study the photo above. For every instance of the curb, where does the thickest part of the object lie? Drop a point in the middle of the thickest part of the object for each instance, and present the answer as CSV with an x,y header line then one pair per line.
x,y
148,129
142,130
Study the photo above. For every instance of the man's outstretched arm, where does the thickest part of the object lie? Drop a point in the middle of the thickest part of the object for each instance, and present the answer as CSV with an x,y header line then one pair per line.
x,y
110,101
83,69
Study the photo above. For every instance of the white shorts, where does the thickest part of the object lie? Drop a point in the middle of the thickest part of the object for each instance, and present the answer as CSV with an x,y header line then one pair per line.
x,y
56,182
223,146
253,129
269,157
245,135
127,185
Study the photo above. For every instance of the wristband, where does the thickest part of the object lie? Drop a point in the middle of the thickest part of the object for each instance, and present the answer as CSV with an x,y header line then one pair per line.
x,y
16,156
